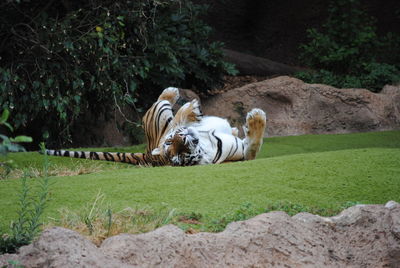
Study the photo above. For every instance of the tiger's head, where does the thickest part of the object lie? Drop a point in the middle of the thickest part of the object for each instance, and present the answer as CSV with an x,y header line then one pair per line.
x,y
181,147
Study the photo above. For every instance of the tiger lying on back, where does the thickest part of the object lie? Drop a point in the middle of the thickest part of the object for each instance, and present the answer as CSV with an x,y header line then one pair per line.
x,y
188,138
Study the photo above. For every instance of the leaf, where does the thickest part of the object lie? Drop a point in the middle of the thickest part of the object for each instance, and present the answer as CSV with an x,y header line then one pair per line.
x,y
68,45
21,139
76,84
4,116
50,82
3,150
132,86
45,136
9,126
15,148
36,84
4,138
176,17
129,99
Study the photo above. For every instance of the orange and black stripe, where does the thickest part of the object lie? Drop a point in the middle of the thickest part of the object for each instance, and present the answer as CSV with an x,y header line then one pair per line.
x,y
160,112
140,159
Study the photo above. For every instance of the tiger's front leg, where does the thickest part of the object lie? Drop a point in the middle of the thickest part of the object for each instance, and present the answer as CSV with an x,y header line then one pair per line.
x,y
247,148
254,129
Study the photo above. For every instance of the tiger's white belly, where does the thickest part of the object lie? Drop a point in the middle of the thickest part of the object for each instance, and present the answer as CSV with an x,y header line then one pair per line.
x,y
217,142
208,123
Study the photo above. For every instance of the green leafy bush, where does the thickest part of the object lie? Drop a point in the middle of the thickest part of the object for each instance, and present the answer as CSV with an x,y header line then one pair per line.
x,y
9,145
348,52
373,76
57,66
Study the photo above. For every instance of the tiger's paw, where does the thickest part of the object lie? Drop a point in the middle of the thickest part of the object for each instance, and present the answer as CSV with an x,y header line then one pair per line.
x,y
170,94
195,113
256,121
190,112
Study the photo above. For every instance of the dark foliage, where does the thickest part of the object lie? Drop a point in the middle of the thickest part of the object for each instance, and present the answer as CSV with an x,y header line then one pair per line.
x,y
348,52
60,59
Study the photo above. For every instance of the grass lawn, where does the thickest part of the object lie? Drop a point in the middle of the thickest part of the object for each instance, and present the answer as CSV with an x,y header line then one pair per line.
x,y
320,171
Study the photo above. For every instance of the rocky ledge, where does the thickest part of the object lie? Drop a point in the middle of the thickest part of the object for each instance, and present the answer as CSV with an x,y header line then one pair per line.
x,y
295,108
361,236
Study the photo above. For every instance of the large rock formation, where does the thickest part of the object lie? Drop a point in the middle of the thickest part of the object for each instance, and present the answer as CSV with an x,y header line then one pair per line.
x,y
361,236
294,107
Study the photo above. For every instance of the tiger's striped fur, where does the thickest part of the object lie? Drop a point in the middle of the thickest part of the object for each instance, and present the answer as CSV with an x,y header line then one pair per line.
x,y
188,138
212,140
156,122
140,159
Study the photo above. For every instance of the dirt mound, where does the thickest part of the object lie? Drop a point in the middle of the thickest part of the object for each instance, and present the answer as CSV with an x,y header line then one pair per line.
x,y
294,107
361,236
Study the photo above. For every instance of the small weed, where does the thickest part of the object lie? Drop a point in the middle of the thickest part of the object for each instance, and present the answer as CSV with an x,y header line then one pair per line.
x,y
189,222
31,207
192,218
97,221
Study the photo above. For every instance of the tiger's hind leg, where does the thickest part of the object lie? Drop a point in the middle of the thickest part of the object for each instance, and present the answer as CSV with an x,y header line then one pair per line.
x,y
254,131
189,113
157,120
170,94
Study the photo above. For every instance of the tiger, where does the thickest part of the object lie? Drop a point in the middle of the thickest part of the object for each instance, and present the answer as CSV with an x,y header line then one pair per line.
x,y
188,138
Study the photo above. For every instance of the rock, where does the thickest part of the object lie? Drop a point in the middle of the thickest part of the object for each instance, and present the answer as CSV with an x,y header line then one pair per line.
x,y
186,95
360,236
94,130
295,108
161,247
7,259
391,204
60,247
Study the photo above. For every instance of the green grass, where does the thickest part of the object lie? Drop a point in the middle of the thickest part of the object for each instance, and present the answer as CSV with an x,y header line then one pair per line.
x,y
280,146
35,160
320,171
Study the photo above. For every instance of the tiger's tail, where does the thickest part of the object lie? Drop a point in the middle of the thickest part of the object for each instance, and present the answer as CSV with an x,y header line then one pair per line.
x,y
139,159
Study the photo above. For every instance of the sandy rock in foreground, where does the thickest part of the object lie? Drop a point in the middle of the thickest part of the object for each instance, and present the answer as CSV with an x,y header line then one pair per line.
x,y
361,236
